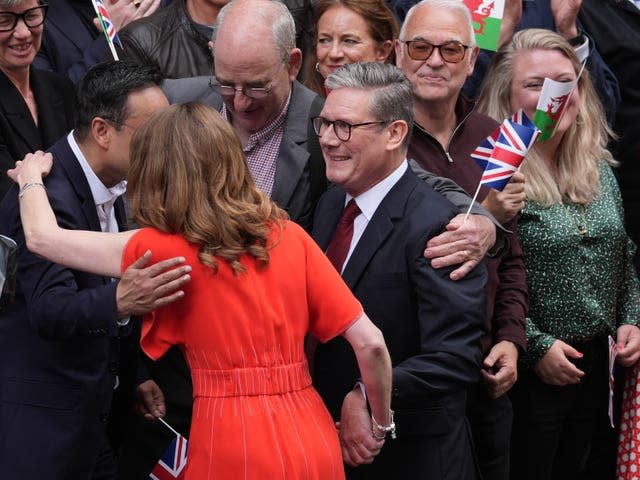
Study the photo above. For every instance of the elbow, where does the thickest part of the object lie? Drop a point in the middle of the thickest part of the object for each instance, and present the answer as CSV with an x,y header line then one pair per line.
x,y
35,243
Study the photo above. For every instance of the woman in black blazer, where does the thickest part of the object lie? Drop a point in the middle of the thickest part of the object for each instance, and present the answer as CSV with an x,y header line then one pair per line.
x,y
36,107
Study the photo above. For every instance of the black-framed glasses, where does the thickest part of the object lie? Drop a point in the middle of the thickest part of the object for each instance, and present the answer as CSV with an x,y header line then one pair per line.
x,y
341,128
451,52
32,17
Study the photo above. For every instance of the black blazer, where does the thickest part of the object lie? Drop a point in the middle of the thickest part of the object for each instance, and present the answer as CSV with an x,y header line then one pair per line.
x,y
19,134
59,344
432,326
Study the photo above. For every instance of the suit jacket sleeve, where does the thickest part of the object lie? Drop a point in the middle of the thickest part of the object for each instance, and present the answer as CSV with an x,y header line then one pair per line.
x,y
63,303
451,321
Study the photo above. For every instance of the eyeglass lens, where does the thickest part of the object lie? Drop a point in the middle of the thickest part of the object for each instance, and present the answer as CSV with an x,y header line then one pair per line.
x,y
341,128
452,52
32,17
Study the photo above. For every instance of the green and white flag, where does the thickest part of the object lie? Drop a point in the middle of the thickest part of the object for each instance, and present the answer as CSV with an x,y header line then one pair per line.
x,y
551,105
487,18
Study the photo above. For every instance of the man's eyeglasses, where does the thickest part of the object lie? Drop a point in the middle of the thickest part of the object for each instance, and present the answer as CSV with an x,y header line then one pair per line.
x,y
256,93
451,52
341,128
32,17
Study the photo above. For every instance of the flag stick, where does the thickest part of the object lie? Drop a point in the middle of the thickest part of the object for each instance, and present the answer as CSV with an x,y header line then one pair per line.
x,y
168,426
106,35
471,205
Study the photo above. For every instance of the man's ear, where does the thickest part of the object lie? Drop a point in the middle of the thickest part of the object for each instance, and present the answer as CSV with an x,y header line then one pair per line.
x,y
398,131
473,56
101,132
294,63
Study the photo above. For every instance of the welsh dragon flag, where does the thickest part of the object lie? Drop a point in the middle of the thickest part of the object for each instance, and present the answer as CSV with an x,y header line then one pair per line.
x,y
487,17
551,105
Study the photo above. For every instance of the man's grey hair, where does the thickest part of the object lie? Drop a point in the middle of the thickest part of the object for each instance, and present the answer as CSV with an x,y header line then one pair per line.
x,y
452,5
279,18
391,96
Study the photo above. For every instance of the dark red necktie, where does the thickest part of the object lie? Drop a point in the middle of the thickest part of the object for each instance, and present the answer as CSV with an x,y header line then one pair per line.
x,y
341,240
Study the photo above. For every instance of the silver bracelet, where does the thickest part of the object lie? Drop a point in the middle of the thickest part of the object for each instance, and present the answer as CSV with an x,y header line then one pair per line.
x,y
379,432
27,186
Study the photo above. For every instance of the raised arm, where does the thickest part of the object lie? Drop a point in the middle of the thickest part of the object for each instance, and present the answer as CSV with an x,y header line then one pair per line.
x,y
94,252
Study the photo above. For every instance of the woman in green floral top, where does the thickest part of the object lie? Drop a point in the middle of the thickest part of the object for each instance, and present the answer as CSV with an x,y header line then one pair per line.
x,y
578,259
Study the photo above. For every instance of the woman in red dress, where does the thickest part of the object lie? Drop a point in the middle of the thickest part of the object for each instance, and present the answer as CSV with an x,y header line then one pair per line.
x,y
258,284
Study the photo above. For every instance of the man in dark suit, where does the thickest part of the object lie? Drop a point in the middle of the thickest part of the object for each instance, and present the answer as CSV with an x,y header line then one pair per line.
x,y
432,325
61,334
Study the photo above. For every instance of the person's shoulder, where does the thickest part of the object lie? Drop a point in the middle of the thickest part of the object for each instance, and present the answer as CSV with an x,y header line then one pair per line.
x,y
57,80
161,22
189,89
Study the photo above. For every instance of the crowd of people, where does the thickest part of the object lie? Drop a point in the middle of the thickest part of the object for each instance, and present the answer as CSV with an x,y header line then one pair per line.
x,y
256,227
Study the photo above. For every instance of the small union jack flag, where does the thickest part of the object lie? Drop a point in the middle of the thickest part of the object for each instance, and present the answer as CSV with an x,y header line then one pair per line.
x,y
502,152
107,27
173,461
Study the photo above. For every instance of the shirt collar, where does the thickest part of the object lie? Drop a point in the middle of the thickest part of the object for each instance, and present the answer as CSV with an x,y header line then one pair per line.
x,y
101,194
370,200
261,136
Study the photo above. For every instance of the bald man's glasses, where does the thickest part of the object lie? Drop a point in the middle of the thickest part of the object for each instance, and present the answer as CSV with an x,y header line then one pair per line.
x,y
451,52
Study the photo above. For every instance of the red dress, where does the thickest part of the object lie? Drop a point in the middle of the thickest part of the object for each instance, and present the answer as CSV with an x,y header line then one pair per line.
x,y
255,413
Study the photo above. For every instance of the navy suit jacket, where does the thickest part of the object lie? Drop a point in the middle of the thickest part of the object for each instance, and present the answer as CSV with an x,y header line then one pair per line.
x,y
19,134
59,344
432,326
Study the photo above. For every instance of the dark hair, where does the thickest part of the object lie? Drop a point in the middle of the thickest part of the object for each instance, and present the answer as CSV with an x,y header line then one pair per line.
x,y
105,89
382,23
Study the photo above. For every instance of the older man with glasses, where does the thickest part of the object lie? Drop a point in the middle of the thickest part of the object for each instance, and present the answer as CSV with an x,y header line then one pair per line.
x,y
437,52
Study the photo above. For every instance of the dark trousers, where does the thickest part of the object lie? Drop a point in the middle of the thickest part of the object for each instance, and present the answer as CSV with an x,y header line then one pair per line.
x,y
553,426
490,421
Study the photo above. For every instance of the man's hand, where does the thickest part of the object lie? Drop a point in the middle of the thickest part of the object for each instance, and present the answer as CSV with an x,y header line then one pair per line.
x,y
565,15
123,12
150,401
628,345
357,442
506,204
144,289
462,243
554,368
500,368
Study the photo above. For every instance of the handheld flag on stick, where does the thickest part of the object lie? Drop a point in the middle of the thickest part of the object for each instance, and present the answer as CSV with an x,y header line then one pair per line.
x,y
107,27
502,152
174,459
551,105
487,18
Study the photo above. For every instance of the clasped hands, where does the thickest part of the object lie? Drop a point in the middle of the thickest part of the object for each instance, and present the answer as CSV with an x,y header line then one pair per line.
x,y
355,431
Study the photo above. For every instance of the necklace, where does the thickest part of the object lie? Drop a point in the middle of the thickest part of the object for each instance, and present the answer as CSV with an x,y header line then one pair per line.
x,y
581,223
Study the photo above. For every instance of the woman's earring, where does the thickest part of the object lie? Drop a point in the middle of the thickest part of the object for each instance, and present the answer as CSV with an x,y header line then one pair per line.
x,y
317,67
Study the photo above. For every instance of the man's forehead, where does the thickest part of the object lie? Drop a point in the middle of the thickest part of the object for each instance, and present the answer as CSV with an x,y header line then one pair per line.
x,y
437,24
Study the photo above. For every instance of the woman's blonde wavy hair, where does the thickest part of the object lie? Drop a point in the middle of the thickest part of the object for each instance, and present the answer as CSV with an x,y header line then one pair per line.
x,y
583,145
189,176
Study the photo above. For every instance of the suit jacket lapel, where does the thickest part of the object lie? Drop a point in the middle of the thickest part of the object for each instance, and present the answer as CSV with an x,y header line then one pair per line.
x,y
293,155
66,159
327,216
18,114
51,111
379,228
